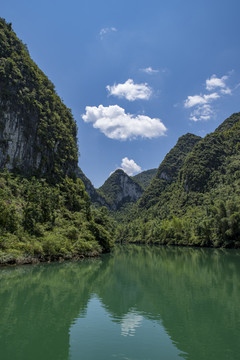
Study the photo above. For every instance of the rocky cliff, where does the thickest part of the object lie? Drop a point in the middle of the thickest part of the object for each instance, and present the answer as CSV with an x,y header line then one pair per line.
x,y
120,188
38,132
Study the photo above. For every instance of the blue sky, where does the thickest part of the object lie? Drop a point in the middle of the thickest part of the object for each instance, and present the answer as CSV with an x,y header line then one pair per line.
x,y
136,74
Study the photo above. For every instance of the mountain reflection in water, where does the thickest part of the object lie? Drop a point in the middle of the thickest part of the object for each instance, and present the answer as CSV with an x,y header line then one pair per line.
x,y
137,303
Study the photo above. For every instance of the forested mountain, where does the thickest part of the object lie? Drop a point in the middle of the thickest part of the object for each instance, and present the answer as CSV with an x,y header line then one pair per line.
x,y
168,170
120,189
194,198
45,212
145,177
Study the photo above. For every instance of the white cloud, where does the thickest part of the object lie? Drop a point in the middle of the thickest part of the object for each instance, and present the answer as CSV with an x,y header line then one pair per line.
x,y
149,70
203,112
115,123
226,91
202,104
130,167
200,99
130,91
104,31
215,82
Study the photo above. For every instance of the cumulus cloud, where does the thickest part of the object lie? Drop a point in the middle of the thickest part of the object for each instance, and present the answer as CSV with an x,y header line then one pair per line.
x,y
202,104
130,167
130,91
149,70
115,123
106,30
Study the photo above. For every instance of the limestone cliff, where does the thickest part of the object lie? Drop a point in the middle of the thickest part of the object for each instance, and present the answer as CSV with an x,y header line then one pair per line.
x,y
120,188
37,131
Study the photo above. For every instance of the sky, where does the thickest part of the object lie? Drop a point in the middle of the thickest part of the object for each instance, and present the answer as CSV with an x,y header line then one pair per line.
x,y
136,74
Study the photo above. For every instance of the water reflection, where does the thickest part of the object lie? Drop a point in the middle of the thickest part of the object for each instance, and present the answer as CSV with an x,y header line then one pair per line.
x,y
96,336
174,300
130,322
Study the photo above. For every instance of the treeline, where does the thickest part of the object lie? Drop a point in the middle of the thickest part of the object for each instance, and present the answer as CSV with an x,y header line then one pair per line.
x,y
214,226
43,222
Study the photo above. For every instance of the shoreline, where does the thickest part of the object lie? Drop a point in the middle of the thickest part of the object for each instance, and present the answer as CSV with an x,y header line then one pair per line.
x,y
39,259
152,243
32,260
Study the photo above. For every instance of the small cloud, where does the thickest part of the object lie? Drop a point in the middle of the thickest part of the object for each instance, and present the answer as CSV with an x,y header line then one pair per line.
x,y
215,82
130,91
200,99
130,167
115,123
204,112
149,70
104,31
226,91
202,104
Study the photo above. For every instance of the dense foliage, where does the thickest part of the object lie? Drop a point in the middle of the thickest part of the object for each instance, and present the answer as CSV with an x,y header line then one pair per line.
x,y
201,206
39,221
145,177
168,170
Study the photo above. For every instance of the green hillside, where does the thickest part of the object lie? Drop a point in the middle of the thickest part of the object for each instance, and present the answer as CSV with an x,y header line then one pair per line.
x,y
168,170
200,204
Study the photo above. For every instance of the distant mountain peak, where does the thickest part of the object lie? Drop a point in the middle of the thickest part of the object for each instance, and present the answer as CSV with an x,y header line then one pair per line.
x,y
120,188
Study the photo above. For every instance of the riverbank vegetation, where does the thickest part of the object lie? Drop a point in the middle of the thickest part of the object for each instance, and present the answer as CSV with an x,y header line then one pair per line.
x,y
40,222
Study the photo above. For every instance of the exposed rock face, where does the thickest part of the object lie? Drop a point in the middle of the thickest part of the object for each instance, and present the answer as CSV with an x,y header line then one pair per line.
x,y
18,142
120,188
130,189
165,176
23,149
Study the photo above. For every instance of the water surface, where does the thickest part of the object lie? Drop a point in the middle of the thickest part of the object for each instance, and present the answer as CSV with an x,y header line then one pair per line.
x,y
139,303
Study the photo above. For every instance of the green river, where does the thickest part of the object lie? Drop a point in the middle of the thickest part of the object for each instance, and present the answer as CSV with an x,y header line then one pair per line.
x,y
137,303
